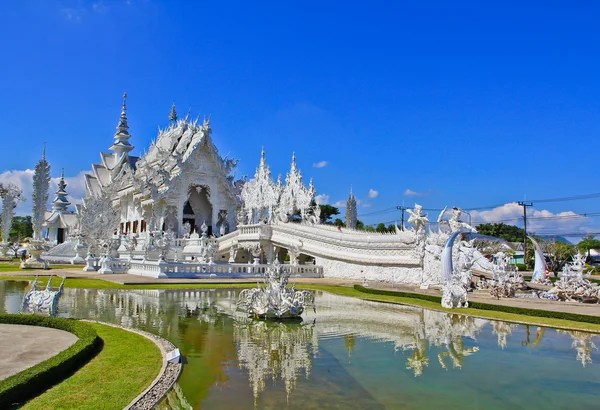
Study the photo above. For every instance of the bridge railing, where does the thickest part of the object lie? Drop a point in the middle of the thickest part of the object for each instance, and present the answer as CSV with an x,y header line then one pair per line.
x,y
189,269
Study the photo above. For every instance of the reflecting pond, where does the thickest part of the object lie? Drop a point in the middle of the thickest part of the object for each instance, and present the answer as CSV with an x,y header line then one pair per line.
x,y
349,354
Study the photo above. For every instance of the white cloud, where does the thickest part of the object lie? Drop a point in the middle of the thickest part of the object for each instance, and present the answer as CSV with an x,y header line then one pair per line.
x,y
72,15
322,199
340,204
373,193
24,180
538,221
320,164
410,192
99,7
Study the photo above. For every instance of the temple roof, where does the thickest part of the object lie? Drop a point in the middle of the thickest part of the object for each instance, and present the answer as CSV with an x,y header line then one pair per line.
x,y
62,218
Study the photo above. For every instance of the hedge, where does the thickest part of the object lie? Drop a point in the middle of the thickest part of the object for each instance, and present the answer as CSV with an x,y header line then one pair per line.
x,y
485,306
31,382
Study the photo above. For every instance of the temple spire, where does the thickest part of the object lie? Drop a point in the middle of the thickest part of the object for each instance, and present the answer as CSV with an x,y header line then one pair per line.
x,y
121,145
351,212
60,202
173,114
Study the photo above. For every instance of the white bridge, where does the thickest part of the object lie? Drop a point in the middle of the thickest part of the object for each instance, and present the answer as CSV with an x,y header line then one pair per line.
x,y
306,250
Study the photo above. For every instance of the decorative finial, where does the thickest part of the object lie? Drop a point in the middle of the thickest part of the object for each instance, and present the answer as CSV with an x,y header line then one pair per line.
x,y
44,152
62,174
121,144
173,113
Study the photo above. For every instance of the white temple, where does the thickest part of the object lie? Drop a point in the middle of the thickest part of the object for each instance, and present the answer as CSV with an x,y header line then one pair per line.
x,y
181,179
178,211
60,222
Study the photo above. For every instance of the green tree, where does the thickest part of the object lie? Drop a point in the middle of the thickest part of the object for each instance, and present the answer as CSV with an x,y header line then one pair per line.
x,y
369,228
360,225
559,253
381,228
21,228
588,243
339,222
327,211
510,233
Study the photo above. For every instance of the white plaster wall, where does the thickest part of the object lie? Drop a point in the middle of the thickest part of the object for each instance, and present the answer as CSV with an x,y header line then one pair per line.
x,y
395,274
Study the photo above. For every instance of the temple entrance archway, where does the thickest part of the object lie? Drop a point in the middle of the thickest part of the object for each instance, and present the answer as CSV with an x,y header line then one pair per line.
x,y
198,209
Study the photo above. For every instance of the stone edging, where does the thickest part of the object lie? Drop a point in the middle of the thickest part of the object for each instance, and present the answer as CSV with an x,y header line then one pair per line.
x,y
166,379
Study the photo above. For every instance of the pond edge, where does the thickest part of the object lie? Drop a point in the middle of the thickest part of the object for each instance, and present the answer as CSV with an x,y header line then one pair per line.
x,y
167,377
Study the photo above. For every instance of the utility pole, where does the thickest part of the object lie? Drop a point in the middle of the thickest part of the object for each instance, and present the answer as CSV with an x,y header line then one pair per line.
x,y
402,208
525,205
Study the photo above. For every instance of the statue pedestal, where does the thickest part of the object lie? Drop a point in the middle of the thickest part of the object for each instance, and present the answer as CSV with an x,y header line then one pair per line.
x,y
90,264
4,250
35,261
79,248
105,267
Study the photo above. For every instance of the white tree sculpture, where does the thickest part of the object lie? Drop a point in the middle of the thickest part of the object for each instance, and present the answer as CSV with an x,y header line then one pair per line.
x,y
11,195
41,185
98,221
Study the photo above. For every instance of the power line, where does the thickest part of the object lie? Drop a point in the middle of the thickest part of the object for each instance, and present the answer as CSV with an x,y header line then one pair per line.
x,y
546,200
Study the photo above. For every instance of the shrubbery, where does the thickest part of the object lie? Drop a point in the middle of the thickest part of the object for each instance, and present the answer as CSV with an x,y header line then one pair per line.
x,y
34,380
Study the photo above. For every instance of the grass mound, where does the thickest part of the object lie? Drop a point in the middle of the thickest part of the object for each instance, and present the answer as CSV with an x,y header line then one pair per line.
x,y
36,379
125,367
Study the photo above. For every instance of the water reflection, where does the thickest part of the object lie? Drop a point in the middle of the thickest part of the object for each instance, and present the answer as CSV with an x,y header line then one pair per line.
x,y
274,350
358,349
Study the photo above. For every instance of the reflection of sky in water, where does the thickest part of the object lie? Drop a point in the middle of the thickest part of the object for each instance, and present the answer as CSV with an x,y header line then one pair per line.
x,y
350,354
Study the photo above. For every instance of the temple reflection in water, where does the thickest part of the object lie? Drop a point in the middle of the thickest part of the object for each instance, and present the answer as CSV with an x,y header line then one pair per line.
x,y
226,350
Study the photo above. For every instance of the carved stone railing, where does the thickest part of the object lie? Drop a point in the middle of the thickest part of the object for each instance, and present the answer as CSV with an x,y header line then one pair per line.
x,y
328,242
165,269
117,265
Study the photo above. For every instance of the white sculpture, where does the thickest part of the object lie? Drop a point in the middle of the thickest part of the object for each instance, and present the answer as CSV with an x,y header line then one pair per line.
x,y
39,196
275,300
418,221
454,294
98,222
540,268
11,195
42,301
454,222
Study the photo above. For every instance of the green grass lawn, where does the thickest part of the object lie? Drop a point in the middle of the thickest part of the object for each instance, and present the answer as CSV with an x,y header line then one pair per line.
x,y
125,367
14,267
486,314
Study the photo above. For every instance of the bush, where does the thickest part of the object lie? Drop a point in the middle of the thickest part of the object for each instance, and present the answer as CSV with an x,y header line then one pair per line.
x,y
34,380
521,266
484,306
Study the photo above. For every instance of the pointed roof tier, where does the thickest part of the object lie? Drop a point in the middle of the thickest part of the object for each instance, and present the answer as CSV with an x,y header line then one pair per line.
x,y
60,202
121,144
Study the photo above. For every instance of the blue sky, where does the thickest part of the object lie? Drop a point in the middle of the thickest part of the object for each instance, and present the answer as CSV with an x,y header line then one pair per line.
x,y
459,103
